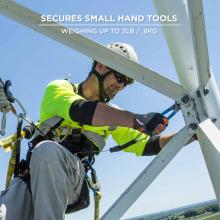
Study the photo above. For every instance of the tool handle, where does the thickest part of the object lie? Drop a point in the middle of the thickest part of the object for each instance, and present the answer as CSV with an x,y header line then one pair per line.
x,y
174,108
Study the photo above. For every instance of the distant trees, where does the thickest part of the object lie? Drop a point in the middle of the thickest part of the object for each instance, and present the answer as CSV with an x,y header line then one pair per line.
x,y
212,208
192,213
200,211
189,212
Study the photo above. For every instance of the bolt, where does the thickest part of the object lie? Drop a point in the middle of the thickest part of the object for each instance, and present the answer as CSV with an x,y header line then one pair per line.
x,y
214,120
205,91
198,93
193,126
185,99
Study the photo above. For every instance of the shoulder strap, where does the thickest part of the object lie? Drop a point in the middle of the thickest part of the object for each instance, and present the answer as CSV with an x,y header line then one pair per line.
x,y
47,125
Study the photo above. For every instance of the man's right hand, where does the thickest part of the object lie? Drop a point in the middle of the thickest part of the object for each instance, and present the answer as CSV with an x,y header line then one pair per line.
x,y
150,123
5,105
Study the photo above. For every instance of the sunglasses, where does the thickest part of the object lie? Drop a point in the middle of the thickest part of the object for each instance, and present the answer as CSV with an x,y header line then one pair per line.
x,y
123,79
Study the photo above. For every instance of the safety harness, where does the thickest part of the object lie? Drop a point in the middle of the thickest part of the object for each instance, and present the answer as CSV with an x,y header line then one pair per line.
x,y
50,130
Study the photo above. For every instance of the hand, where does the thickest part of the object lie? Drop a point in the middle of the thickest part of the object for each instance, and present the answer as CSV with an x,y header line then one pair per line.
x,y
5,105
150,123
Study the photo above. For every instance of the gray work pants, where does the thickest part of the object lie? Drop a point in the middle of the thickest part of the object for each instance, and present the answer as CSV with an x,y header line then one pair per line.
x,y
56,180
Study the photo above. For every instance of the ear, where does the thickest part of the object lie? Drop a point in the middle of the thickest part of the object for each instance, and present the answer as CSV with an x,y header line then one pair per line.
x,y
100,68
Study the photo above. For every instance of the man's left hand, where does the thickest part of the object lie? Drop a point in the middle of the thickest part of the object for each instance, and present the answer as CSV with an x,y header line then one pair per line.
x,y
151,123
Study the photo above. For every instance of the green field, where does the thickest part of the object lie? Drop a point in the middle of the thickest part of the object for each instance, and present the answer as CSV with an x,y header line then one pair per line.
x,y
208,210
208,216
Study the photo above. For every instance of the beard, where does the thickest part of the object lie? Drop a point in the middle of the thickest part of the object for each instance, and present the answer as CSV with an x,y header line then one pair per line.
x,y
110,92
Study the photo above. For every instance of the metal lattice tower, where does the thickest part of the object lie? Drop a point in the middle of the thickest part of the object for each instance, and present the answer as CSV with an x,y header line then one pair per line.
x,y
197,92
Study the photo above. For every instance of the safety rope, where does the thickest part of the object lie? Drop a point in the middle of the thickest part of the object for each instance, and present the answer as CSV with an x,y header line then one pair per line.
x,y
94,185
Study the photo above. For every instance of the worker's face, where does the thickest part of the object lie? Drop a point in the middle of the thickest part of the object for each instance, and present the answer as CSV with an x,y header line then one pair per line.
x,y
112,86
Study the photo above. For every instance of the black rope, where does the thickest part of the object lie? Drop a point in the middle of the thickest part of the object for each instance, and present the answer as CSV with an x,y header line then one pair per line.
x,y
123,146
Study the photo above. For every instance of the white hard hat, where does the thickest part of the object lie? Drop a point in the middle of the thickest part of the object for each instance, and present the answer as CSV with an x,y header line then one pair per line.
x,y
125,50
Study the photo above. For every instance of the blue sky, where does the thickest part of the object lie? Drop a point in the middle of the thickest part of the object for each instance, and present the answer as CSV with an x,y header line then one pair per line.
x,y
31,60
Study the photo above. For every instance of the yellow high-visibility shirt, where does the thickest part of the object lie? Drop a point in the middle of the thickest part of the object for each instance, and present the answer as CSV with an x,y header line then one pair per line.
x,y
58,98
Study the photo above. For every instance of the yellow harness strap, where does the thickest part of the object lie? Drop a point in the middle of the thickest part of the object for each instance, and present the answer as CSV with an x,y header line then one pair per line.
x,y
9,144
11,167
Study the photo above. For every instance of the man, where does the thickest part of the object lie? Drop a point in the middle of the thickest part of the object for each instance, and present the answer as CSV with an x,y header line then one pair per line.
x,y
75,121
